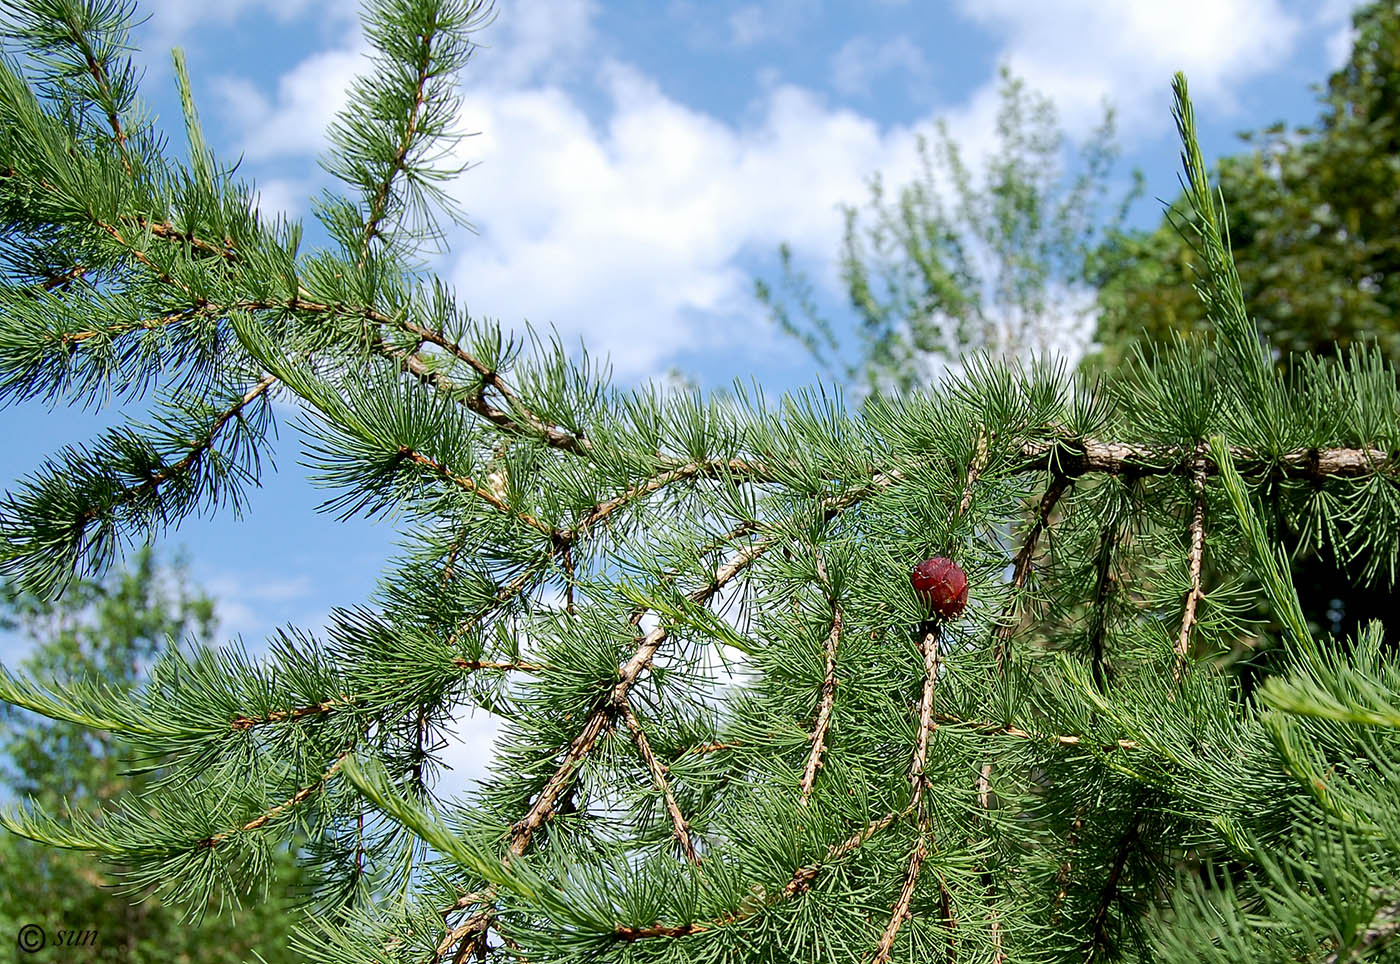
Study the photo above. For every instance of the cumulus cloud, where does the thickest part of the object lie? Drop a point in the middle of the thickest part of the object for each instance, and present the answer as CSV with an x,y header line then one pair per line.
x,y
757,23
469,752
175,21
293,121
627,225
1136,45
631,235
1333,19
536,43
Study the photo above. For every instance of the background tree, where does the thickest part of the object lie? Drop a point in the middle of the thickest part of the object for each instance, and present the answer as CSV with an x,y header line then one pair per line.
x,y
1072,770
956,262
1315,227
1313,223
111,630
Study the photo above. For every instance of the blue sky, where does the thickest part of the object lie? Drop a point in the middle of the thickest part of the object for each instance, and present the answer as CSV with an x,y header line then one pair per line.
x,y
637,164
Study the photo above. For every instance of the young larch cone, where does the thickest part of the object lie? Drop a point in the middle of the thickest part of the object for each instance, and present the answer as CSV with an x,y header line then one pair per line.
x,y
941,585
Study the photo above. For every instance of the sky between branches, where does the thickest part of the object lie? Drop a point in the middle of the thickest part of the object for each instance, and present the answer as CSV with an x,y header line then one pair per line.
x,y
640,161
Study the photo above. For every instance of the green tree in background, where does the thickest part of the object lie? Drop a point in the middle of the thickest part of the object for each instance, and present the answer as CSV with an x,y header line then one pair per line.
x,y
955,262
109,630
1315,230
1314,223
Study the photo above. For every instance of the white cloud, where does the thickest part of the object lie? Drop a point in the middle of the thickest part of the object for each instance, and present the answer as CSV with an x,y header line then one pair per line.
x,y
1081,51
469,752
629,236
535,42
283,195
1333,18
861,60
773,20
293,122
627,226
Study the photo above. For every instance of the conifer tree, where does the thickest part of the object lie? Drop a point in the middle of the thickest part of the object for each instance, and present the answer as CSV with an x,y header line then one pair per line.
x,y
112,629
733,730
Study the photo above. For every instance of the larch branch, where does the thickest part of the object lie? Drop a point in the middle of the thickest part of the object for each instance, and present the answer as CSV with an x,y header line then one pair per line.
x,y
828,691
524,829
156,479
1099,921
297,798
680,828
901,906
470,485
1197,553
379,203
1021,567
800,882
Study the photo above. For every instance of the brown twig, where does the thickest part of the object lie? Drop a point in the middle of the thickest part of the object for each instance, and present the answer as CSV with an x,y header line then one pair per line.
x,y
281,808
1098,616
918,778
278,716
471,933
918,774
1022,566
707,748
800,882
516,665
1115,875
680,827
980,726
156,479
901,906
104,86
379,204
524,829
1194,593
828,691
1076,457
470,485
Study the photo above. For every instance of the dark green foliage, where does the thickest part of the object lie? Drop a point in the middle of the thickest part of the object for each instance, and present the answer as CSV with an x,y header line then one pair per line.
x,y
1313,228
1313,216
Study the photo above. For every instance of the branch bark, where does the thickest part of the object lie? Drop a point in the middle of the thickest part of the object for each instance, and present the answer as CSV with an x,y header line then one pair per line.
x,y
1197,553
828,697
680,827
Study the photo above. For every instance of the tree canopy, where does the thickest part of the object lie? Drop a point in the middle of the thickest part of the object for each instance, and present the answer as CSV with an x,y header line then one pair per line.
x,y
1313,223
958,261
